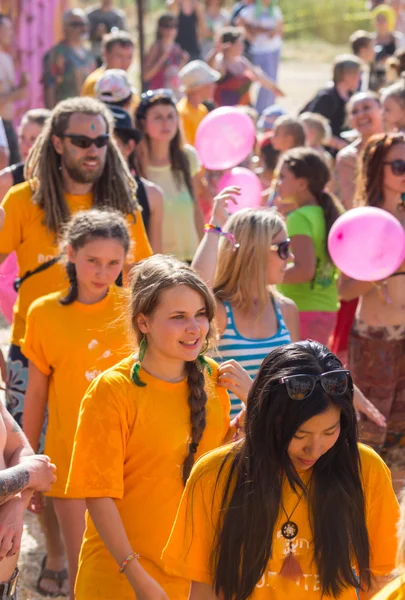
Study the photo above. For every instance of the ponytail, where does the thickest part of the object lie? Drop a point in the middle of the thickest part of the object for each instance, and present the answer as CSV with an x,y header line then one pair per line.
x,y
73,291
332,210
197,401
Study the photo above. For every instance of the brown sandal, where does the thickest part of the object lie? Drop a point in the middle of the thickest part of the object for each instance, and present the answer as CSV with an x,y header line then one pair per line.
x,y
59,576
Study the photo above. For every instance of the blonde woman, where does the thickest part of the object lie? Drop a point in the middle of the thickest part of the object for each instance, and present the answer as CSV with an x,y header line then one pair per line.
x,y
252,319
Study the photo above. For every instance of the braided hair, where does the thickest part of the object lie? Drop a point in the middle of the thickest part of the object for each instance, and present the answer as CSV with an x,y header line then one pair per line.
x,y
86,226
150,278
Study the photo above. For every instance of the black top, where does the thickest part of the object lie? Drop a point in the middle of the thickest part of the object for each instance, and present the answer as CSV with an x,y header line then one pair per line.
x,y
328,103
17,172
187,34
142,198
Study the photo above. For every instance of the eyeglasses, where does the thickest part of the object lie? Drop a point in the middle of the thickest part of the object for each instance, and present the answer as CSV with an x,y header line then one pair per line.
x,y
282,249
397,166
83,141
334,383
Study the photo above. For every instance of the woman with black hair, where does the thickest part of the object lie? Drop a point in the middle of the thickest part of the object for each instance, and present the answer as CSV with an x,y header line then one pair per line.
x,y
296,510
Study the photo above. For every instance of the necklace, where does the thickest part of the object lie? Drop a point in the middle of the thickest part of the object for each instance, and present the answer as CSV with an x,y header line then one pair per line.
x,y
291,568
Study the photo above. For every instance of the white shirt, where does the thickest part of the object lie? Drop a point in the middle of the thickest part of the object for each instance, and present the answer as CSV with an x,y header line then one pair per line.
x,y
262,42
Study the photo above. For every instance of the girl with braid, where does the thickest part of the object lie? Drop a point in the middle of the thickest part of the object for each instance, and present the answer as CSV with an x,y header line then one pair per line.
x,y
142,425
71,337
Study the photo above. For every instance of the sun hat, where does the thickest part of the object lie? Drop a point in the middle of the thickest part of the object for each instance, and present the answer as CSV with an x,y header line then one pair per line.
x,y
122,122
195,74
114,86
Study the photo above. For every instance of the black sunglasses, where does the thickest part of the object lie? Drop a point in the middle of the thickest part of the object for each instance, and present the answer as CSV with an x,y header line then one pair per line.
x,y
397,166
334,383
282,249
83,141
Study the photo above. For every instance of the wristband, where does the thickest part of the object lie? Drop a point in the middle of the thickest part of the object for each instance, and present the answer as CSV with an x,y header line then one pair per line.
x,y
127,560
209,227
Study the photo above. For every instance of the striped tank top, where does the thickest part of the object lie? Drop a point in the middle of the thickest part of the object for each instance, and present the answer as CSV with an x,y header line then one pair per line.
x,y
249,353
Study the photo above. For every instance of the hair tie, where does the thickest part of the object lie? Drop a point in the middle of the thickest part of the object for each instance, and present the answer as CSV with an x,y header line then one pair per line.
x,y
193,448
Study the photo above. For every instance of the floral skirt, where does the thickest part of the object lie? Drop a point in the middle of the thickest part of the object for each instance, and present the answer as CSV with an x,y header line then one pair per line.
x,y
17,380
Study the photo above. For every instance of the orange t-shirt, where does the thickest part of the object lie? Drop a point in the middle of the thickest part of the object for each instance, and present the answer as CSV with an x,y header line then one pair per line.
x,y
190,118
72,345
25,233
188,551
130,445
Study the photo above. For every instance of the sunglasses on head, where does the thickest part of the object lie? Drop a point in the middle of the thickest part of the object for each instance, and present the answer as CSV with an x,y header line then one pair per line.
x,y
83,141
301,387
151,96
282,249
397,166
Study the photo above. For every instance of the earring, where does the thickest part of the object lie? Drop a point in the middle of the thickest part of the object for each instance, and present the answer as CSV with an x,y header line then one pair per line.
x,y
137,366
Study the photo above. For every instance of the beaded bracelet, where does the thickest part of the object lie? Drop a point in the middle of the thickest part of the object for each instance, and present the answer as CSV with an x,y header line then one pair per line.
x,y
127,560
209,227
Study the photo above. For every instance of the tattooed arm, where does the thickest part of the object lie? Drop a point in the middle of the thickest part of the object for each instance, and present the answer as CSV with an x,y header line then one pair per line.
x,y
17,445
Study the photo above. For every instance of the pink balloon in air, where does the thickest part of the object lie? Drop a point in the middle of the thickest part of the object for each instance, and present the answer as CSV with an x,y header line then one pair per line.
x,y
367,243
250,184
224,138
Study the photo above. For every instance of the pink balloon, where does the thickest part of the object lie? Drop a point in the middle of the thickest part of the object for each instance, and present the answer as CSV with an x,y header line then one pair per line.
x,y
8,296
367,244
250,185
224,138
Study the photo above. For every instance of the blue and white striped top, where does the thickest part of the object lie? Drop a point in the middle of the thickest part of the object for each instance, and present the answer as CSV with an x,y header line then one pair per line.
x,y
249,353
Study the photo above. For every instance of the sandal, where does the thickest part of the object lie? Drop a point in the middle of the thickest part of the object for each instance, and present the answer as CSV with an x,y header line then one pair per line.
x,y
59,576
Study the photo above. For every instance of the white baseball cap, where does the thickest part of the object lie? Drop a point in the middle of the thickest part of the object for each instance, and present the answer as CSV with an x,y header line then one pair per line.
x,y
197,73
114,86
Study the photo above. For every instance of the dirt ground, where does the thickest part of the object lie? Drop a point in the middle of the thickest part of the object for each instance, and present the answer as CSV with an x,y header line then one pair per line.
x,y
304,69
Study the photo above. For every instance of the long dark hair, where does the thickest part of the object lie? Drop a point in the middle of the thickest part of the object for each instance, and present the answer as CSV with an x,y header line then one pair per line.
x,y
178,158
370,182
308,164
258,466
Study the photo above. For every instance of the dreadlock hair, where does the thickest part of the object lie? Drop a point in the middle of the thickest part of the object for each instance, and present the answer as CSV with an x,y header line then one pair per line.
x,y
370,182
150,278
178,158
115,188
84,227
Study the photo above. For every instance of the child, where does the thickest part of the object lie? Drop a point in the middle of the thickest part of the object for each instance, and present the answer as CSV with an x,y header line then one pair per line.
x,y
142,425
312,280
198,83
71,337
393,106
165,58
362,45
269,517
288,133
251,317
317,135
268,158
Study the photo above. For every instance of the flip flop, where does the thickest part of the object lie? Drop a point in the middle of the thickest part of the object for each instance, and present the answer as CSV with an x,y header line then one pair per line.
x,y
58,576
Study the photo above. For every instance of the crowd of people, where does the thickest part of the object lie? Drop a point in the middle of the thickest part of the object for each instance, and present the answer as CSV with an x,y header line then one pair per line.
x,y
199,404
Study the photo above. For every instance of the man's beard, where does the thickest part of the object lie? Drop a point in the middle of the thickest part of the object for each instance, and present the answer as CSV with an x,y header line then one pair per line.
x,y
82,176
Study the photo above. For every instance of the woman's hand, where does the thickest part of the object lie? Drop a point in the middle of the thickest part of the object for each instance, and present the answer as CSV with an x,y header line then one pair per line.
x,y
234,378
220,212
144,586
366,407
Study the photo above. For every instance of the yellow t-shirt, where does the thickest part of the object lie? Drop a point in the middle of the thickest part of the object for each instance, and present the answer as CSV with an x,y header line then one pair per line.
x,y
130,445
72,345
90,82
190,118
395,590
188,551
179,234
25,233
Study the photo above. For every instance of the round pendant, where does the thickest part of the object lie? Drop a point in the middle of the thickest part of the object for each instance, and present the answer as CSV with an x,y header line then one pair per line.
x,y
289,530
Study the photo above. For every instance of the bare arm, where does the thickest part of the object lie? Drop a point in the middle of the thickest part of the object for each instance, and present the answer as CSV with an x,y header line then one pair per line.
x,y
257,74
198,216
346,177
349,289
201,591
291,317
35,401
303,268
155,199
105,516
154,61
50,96
6,179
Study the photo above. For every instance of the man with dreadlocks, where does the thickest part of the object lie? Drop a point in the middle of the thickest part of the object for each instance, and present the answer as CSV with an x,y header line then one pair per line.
x,y
74,165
